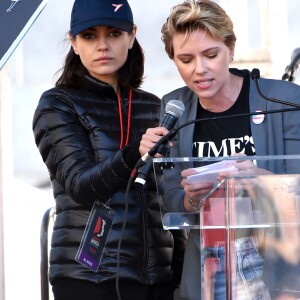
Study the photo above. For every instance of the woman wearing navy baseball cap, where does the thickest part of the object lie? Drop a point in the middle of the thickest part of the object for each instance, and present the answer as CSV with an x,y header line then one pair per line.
x,y
88,130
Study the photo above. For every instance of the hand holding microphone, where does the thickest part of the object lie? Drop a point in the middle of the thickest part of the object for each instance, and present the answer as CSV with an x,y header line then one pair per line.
x,y
150,138
174,110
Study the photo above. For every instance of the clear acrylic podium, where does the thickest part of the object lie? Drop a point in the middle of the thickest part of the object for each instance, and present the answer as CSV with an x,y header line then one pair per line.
x,y
249,225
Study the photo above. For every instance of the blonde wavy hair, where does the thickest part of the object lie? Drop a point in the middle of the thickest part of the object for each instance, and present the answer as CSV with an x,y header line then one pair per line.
x,y
193,15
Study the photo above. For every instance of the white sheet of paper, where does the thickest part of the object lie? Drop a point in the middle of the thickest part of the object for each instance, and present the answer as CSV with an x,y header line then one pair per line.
x,y
210,172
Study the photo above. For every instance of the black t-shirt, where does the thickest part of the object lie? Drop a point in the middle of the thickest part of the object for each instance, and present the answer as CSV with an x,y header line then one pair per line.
x,y
225,136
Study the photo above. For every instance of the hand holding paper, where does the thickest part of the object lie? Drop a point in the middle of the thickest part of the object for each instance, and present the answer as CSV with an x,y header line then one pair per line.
x,y
209,173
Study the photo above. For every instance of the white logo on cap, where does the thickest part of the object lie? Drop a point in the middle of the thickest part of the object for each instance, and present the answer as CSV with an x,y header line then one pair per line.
x,y
13,3
117,6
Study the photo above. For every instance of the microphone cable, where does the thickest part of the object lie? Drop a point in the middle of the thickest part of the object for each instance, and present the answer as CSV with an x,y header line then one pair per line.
x,y
255,75
173,111
122,232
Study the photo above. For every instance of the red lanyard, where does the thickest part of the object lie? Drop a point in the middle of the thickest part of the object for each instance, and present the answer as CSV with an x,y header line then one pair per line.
x,y
128,119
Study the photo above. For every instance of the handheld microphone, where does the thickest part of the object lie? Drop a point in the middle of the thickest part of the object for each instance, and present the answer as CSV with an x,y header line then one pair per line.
x,y
292,67
174,110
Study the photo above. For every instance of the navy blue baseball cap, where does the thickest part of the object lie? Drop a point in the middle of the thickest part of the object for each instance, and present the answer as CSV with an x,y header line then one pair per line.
x,y
89,13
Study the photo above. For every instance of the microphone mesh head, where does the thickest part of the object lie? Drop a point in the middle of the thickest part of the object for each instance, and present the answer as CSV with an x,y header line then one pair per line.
x,y
175,108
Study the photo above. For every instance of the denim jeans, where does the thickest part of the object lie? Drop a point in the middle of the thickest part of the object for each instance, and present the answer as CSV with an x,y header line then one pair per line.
x,y
246,275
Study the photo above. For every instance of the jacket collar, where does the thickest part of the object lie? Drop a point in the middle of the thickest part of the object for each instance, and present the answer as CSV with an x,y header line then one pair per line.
x,y
96,86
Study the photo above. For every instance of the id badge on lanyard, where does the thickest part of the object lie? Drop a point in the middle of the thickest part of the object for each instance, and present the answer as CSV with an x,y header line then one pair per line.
x,y
95,236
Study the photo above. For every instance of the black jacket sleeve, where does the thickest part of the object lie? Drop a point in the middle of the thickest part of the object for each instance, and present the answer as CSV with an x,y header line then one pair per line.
x,y
66,149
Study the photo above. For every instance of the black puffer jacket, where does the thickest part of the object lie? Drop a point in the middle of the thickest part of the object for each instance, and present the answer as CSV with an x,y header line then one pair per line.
x,y
78,135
